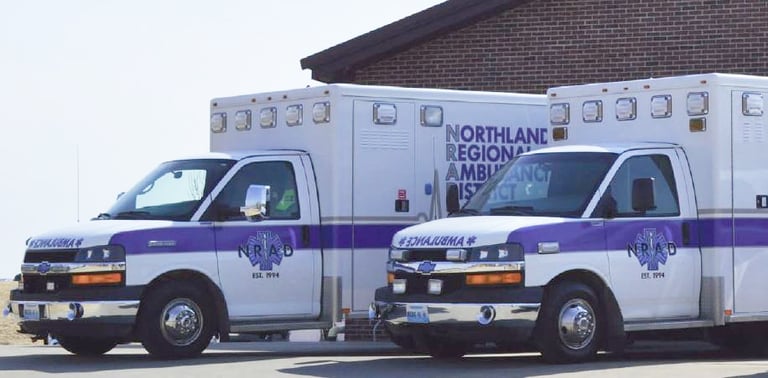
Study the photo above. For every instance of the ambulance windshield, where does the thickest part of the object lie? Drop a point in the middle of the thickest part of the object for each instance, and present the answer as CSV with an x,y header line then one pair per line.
x,y
546,184
173,191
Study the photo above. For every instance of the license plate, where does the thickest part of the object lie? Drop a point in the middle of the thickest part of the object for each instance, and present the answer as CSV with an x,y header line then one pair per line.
x,y
31,312
417,314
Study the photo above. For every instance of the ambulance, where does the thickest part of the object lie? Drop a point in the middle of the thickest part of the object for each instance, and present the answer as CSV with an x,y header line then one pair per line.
x,y
284,225
646,216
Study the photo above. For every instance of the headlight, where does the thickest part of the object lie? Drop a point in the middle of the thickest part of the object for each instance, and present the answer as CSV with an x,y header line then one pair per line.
x,y
102,253
398,254
498,252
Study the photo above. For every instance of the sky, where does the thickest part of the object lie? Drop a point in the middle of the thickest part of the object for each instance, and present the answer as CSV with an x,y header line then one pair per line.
x,y
96,93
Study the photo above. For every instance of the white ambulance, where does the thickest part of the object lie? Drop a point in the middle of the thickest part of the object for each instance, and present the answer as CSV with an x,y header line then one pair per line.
x,y
282,226
646,216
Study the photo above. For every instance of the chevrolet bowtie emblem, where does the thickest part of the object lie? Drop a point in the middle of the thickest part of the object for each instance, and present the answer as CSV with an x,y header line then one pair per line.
x,y
426,267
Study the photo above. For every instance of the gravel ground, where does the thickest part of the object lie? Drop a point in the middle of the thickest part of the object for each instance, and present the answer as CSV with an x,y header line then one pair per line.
x,y
8,327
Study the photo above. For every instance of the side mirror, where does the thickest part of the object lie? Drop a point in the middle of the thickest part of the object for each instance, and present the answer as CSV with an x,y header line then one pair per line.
x,y
452,198
643,197
256,202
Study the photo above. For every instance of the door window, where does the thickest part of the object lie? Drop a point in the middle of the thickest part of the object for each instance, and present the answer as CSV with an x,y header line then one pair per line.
x,y
278,175
657,167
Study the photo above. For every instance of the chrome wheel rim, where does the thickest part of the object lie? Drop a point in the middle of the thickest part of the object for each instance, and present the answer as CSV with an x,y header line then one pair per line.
x,y
181,322
576,324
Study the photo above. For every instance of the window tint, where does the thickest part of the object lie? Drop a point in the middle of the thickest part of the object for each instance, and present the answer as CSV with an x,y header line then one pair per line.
x,y
278,175
657,167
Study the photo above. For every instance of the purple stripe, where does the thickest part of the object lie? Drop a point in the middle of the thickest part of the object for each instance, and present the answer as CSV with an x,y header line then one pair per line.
x,y
200,239
188,239
596,235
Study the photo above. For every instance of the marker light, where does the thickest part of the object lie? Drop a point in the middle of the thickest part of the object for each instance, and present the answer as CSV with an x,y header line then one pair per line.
x,y
390,278
559,114
384,114
321,112
431,115
293,115
435,287
507,278
752,104
456,255
592,111
268,117
661,106
697,125
548,247
398,286
243,120
218,122
626,109
97,279
559,133
697,103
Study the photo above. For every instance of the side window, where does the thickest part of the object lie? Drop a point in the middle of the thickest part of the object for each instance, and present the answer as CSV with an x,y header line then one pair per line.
x,y
279,175
657,167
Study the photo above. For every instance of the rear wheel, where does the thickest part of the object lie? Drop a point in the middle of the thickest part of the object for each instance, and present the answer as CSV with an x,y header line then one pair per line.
x,y
569,326
176,321
87,346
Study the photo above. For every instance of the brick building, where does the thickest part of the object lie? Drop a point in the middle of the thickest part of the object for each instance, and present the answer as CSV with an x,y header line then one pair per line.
x,y
530,45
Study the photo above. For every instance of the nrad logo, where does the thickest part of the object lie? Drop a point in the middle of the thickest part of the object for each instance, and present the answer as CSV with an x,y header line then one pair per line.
x,y
265,249
651,248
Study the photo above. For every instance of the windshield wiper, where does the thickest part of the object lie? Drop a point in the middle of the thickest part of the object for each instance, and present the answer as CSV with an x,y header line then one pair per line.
x,y
513,210
466,212
102,216
133,215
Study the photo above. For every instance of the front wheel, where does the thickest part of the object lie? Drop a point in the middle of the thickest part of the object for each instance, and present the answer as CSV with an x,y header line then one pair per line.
x,y
86,346
569,326
176,321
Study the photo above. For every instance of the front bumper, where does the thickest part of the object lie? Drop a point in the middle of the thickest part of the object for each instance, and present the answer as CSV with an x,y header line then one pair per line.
x,y
511,320
112,311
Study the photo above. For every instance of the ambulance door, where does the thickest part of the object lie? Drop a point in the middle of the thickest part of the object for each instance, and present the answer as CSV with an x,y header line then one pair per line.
x,y
750,201
654,256
383,186
268,267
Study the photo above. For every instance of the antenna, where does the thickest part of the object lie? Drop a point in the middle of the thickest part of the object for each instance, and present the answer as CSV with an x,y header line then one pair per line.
x,y
77,178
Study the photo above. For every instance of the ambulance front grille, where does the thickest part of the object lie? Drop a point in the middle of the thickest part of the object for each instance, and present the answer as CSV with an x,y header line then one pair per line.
x,y
50,255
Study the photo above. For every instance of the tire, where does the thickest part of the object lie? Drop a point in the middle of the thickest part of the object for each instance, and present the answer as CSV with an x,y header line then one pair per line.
x,y
176,321
86,346
569,328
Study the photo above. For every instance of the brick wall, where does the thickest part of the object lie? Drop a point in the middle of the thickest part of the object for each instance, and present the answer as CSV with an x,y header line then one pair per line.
x,y
548,43
360,329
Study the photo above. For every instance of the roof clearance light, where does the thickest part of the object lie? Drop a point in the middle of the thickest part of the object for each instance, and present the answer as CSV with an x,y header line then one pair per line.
x,y
559,114
626,109
431,115
592,111
661,106
752,104
321,112
293,115
697,103
268,117
384,114
218,122
243,120
560,133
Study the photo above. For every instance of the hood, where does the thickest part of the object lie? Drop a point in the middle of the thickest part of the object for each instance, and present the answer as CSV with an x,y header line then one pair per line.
x,y
91,233
467,232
